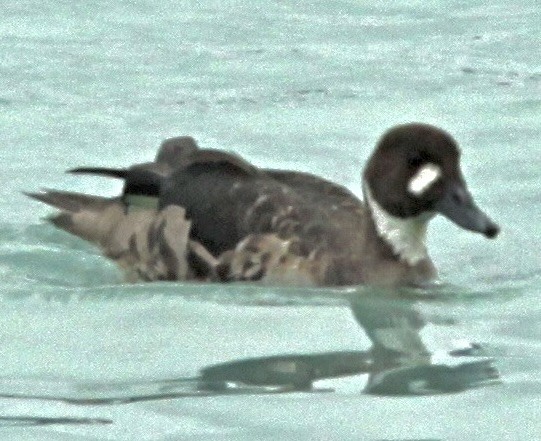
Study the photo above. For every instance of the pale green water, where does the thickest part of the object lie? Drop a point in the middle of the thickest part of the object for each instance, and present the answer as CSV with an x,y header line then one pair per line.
x,y
302,85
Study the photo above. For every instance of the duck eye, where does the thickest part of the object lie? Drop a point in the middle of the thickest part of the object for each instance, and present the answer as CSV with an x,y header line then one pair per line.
x,y
416,159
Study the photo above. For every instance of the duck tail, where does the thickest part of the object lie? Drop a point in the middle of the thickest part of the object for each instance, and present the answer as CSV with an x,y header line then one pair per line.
x,y
119,173
91,218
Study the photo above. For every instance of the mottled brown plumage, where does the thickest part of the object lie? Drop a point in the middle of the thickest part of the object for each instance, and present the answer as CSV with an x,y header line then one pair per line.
x,y
198,214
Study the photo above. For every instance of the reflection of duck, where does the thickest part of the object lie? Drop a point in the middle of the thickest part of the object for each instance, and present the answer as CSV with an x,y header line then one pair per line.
x,y
399,363
210,215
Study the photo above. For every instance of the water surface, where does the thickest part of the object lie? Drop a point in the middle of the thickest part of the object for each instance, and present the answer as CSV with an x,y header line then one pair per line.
x,y
303,85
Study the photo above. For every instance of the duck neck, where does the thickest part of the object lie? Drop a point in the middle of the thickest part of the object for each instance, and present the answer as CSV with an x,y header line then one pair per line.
x,y
405,236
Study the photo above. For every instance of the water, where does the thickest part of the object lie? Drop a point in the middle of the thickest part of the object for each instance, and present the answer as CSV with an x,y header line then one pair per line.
x,y
304,85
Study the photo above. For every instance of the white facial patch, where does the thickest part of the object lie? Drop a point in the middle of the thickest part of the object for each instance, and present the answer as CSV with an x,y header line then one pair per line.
x,y
424,179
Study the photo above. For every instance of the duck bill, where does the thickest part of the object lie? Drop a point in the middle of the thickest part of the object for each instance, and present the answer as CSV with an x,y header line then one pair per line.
x,y
458,206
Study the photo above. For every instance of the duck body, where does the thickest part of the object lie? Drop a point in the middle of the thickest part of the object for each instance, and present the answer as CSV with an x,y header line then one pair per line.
x,y
196,214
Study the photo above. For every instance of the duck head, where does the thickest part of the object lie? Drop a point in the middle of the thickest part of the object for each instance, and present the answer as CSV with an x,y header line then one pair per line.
x,y
414,174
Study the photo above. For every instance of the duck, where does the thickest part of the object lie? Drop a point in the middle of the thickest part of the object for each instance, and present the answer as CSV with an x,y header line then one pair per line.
x,y
208,215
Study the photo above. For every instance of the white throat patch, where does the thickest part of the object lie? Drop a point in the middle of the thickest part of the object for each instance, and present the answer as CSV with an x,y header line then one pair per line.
x,y
406,236
424,178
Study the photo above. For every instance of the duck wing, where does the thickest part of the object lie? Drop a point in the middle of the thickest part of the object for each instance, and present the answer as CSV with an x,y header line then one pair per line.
x,y
211,215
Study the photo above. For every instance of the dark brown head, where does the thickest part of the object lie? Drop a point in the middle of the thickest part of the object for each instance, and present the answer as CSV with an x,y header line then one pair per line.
x,y
415,170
